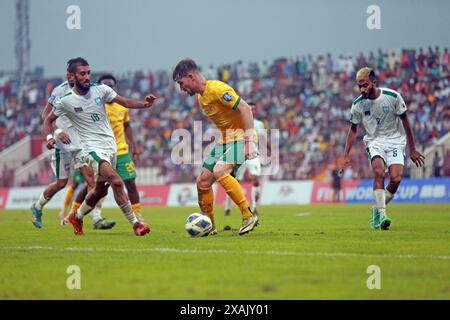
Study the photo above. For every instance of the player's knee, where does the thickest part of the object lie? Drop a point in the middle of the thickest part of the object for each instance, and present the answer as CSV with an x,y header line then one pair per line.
x,y
61,183
116,183
379,173
395,180
219,171
203,182
130,185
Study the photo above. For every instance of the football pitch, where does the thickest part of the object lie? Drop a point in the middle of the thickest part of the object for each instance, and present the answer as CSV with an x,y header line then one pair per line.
x,y
297,252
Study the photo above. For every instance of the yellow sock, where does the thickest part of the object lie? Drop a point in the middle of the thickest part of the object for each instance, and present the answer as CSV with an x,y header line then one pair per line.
x,y
206,201
234,190
75,206
137,209
68,198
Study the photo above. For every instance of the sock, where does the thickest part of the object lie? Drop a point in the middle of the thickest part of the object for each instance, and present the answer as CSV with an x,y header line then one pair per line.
x,y
83,210
389,196
255,195
227,203
128,212
69,195
97,212
75,206
234,190
42,201
137,209
380,201
206,201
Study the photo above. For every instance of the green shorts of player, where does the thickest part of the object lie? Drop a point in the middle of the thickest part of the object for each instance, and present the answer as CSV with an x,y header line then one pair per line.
x,y
125,167
231,152
77,177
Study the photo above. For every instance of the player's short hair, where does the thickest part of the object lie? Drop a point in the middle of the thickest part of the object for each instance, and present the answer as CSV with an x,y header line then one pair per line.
x,y
72,64
251,103
183,68
365,73
107,77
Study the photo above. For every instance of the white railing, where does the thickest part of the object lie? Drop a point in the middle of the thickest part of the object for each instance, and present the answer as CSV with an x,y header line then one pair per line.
x,y
21,174
16,154
149,175
440,148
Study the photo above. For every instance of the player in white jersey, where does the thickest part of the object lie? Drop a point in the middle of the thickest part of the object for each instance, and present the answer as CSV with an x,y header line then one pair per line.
x,y
65,156
253,166
84,105
382,112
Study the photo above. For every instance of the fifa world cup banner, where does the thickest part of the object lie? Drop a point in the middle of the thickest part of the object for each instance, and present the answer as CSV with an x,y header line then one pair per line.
x,y
361,191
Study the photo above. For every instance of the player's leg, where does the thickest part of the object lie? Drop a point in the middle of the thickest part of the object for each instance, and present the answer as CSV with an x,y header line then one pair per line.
x,y
99,222
230,161
206,195
125,168
379,210
61,170
254,168
106,170
239,177
44,198
69,194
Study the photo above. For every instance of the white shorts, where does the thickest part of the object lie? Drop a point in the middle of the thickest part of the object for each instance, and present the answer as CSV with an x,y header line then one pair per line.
x,y
94,158
63,161
253,166
390,155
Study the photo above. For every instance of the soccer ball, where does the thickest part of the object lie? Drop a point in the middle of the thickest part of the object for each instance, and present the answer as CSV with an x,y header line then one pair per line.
x,y
198,225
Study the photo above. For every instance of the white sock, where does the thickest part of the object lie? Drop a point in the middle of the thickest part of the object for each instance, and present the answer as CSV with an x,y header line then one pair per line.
x,y
389,196
227,202
128,212
255,193
380,201
97,212
83,210
42,201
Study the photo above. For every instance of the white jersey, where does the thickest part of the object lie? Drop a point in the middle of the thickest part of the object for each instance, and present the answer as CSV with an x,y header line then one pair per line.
x,y
380,118
88,116
63,122
258,126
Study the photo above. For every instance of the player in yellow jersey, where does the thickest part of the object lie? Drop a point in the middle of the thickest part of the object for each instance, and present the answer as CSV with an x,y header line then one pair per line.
x,y
234,119
120,123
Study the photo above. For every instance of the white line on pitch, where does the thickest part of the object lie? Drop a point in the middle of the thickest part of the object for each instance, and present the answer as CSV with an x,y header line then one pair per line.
x,y
302,214
223,251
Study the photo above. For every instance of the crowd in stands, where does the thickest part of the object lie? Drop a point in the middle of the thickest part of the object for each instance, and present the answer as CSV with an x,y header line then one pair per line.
x,y
307,97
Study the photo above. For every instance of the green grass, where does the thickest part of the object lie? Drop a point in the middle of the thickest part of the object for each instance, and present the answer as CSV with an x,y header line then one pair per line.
x,y
297,252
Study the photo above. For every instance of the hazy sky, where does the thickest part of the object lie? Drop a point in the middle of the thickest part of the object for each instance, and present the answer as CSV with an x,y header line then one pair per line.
x,y
130,35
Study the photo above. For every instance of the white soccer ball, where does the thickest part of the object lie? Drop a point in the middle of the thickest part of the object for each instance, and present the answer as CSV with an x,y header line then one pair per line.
x,y
198,225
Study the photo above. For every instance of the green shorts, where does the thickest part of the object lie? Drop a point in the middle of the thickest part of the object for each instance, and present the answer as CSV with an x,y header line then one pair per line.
x,y
77,177
232,152
125,167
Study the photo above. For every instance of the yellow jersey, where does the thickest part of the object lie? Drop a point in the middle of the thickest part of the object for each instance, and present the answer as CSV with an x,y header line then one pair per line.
x,y
219,102
118,116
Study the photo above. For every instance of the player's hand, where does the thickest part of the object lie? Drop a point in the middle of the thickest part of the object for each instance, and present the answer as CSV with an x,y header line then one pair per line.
x,y
417,157
250,150
149,100
136,156
64,138
347,163
51,143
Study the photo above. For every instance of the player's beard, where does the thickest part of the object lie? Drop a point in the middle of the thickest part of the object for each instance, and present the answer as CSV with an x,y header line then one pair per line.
x,y
84,88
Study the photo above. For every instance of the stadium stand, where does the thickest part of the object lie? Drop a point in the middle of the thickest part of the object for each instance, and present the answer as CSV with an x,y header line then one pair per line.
x,y
307,97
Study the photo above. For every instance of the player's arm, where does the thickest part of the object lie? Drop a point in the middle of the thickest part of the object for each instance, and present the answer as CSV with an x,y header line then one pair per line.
x,y
351,136
415,155
130,138
46,111
52,131
135,104
247,121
